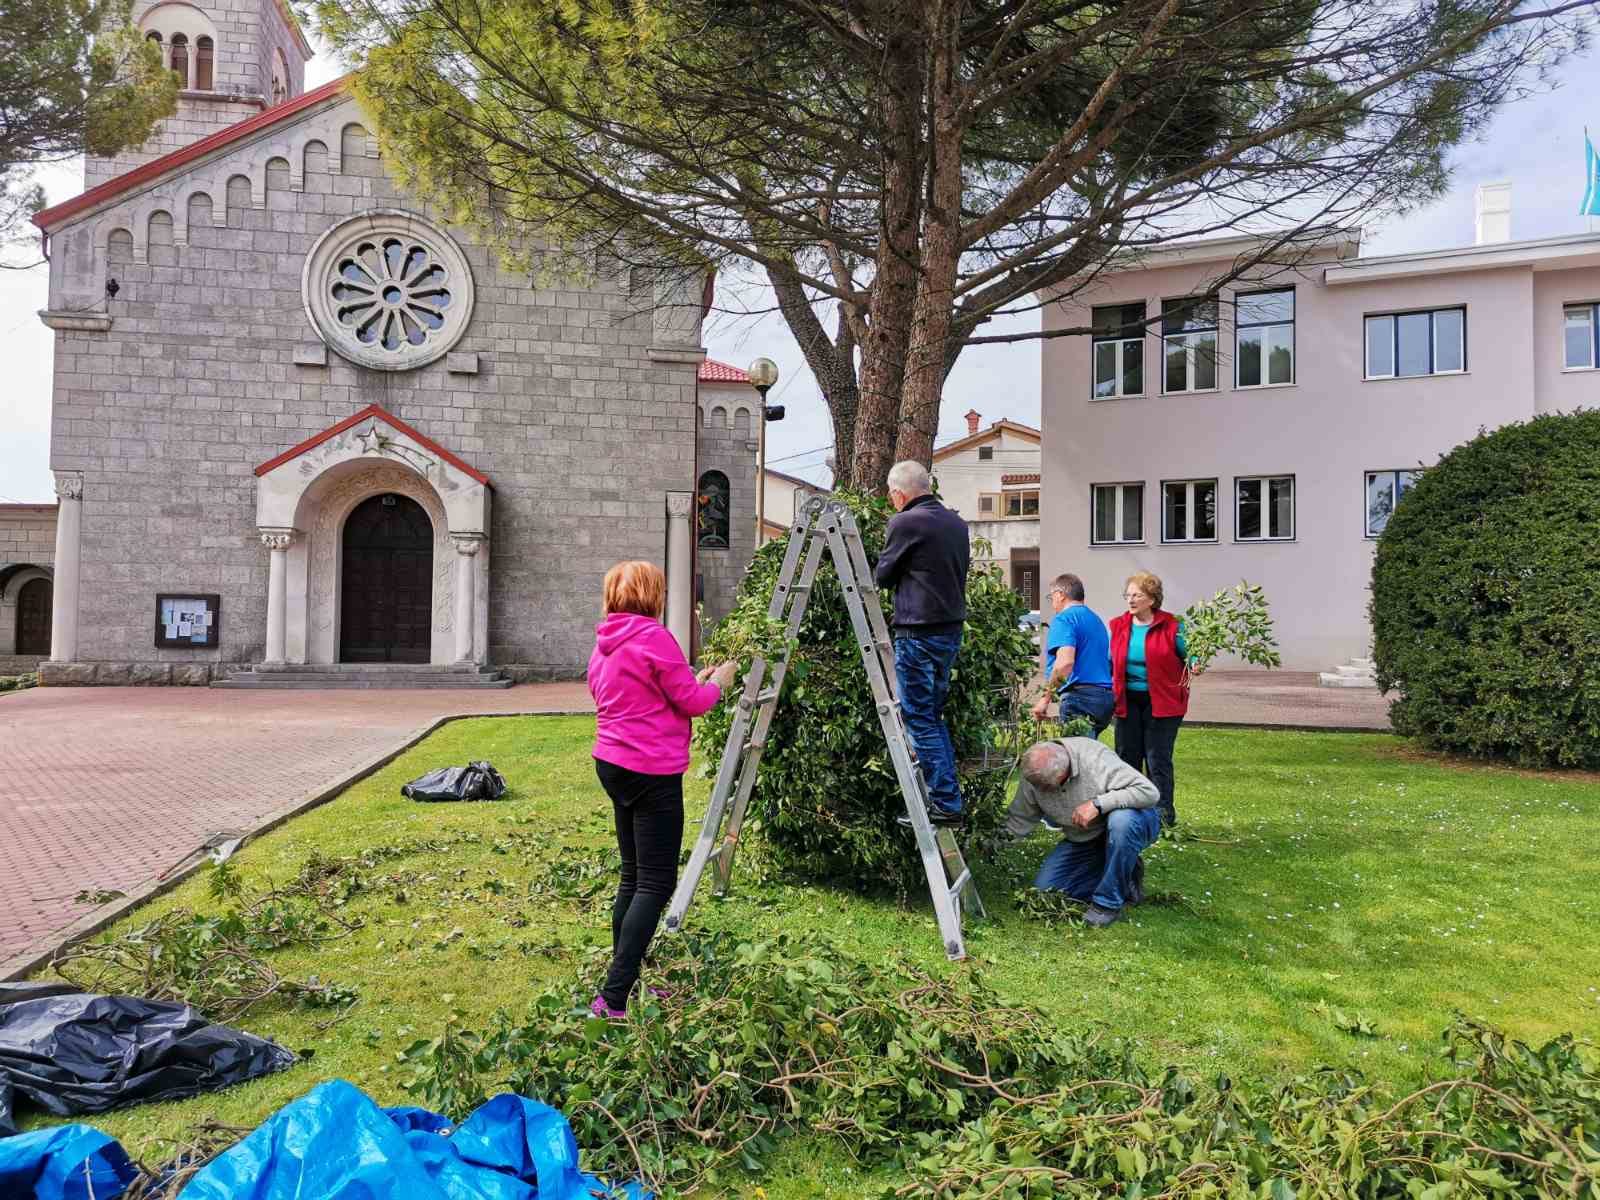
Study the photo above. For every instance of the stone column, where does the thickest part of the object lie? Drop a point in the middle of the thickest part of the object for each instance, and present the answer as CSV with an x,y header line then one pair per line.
x,y
466,593
64,602
680,569
278,542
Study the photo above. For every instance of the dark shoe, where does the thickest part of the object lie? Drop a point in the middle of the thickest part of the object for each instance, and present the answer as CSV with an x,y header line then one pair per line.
x,y
1099,918
1136,886
1169,816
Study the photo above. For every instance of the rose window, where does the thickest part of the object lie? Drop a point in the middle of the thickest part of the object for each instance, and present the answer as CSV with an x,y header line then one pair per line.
x,y
388,290
390,293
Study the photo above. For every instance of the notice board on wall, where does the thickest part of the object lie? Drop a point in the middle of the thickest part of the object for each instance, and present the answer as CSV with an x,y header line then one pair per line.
x,y
188,620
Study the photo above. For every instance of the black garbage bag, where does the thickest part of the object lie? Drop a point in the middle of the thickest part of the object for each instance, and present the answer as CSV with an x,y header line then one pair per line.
x,y
84,1053
475,781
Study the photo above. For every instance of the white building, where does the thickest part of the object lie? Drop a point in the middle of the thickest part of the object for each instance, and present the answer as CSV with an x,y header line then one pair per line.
x,y
991,477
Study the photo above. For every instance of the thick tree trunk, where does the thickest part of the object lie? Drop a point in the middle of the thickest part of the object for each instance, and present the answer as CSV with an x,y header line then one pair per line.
x,y
923,387
831,362
894,285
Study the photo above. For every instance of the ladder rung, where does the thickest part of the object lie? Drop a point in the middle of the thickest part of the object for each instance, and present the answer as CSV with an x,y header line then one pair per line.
x,y
960,883
767,696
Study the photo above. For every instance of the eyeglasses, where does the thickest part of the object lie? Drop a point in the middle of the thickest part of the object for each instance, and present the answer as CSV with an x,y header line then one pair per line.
x,y
1134,595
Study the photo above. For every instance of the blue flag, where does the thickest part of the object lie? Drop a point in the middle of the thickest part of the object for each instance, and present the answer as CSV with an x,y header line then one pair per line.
x,y
1591,177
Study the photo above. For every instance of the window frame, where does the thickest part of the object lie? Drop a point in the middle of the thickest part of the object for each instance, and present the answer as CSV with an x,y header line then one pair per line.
x,y
1393,317
1119,337
1294,508
1190,352
713,475
1592,307
1122,487
986,453
993,511
1216,536
1022,495
1366,482
1294,340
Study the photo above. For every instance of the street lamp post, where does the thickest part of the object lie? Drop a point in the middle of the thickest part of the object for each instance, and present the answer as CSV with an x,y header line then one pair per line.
x,y
763,374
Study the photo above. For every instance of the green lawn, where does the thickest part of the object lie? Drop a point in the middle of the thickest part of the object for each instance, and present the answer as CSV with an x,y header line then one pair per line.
x,y
1316,872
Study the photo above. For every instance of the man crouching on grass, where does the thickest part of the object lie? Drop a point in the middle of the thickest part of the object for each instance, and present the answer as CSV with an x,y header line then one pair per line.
x,y
1107,814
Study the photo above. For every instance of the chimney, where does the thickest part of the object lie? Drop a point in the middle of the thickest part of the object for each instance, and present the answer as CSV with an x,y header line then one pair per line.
x,y
1494,213
973,417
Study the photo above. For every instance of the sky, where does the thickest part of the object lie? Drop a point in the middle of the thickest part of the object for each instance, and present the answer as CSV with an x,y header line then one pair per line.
x,y
1536,143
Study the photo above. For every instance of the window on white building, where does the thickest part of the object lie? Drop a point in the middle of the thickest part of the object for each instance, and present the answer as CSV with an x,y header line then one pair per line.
x,y
1189,344
1118,513
1118,349
1581,336
1189,510
1264,338
1022,504
1263,508
1384,489
179,61
986,505
985,453
1401,345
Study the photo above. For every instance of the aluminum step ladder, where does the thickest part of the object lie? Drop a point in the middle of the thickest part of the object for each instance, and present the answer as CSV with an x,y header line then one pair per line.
x,y
825,525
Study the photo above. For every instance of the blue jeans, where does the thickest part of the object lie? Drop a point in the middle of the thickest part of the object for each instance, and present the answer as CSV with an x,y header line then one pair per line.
x,y
922,670
1094,703
1100,871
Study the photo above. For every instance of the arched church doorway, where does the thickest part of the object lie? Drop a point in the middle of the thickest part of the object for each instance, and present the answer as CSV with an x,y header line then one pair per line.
x,y
33,617
387,582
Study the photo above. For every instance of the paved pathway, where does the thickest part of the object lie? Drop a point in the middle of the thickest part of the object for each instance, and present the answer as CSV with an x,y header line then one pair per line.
x,y
1285,698
110,787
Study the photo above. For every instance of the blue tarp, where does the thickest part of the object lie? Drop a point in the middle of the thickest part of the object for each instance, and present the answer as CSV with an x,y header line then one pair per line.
x,y
335,1143
69,1162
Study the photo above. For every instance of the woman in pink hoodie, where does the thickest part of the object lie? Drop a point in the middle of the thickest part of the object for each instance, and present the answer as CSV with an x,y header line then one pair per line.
x,y
645,693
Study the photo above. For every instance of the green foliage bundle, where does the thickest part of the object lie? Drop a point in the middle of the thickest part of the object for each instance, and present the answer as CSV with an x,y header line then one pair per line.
x,y
19,683
1486,596
1235,621
827,797
969,1097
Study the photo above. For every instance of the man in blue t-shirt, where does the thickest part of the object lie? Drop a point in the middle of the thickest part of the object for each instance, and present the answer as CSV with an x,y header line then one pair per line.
x,y
1077,665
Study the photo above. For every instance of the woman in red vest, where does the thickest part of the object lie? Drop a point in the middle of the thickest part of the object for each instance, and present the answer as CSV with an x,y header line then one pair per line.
x,y
1150,677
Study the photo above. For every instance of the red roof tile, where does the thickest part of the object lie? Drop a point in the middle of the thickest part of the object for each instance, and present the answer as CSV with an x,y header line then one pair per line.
x,y
1020,477
157,167
712,371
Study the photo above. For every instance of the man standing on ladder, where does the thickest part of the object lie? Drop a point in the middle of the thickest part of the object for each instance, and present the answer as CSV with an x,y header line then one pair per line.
x,y
925,559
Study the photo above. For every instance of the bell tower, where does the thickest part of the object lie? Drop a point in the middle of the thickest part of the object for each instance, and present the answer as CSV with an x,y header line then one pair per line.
x,y
233,58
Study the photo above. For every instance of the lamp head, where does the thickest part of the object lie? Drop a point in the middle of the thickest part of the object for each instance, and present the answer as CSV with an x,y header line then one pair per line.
x,y
763,374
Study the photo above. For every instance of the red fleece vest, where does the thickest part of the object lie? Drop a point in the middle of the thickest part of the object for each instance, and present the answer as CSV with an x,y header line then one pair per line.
x,y
1169,696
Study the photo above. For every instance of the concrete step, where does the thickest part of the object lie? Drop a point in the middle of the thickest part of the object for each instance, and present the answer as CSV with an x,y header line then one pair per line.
x,y
1355,672
375,669
1335,679
248,681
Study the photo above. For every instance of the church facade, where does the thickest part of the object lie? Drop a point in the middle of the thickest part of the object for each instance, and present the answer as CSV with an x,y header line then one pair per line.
x,y
301,419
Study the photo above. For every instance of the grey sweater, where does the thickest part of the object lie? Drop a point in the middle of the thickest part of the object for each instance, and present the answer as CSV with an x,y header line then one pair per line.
x,y
1097,774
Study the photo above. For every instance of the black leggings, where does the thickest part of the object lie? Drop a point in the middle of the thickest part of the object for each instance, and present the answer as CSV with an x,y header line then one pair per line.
x,y
1144,742
649,815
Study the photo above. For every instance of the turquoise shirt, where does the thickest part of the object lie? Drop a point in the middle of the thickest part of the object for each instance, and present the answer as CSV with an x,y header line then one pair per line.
x,y
1138,679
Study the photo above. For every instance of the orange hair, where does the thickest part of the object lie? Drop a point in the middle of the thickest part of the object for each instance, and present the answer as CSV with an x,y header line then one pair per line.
x,y
635,587
1149,584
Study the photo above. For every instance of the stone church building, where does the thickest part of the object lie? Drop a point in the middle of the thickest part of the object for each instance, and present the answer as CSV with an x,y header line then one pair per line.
x,y
302,421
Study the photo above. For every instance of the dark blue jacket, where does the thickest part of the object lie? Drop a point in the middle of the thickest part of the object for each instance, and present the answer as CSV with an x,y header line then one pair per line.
x,y
925,559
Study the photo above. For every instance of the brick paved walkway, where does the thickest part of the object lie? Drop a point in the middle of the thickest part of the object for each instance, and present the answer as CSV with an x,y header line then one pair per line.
x,y
110,787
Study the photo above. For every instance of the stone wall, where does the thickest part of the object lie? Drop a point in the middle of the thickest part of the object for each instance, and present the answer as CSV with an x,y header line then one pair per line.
x,y
728,444
578,414
28,534
27,544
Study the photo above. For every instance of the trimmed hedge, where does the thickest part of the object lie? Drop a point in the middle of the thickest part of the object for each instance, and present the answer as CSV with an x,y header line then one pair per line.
x,y
1486,597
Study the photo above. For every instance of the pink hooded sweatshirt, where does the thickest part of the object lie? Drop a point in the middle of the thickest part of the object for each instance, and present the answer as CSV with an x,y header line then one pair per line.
x,y
645,693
